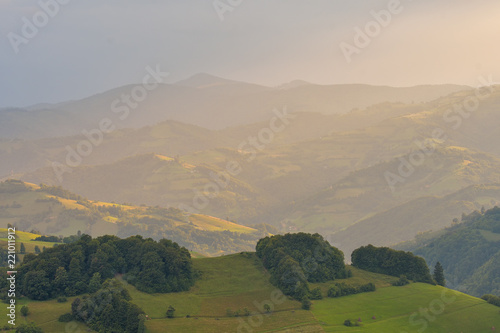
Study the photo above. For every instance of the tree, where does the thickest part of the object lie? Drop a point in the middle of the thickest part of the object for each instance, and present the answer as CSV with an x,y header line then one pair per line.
x,y
306,303
23,249
439,274
36,285
25,310
267,308
60,280
37,249
170,311
95,283
316,294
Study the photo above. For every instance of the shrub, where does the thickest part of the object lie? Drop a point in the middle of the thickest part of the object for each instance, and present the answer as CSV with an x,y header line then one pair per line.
x,y
65,318
306,303
402,281
25,310
62,299
316,294
492,299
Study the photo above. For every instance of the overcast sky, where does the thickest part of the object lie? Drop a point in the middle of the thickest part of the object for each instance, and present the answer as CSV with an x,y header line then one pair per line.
x,y
91,46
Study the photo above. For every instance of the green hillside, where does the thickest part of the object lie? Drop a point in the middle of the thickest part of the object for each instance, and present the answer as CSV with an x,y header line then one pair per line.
x,y
239,281
469,252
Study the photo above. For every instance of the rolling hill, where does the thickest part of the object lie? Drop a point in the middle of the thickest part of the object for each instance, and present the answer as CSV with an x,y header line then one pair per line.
x,y
52,210
469,252
239,281
202,100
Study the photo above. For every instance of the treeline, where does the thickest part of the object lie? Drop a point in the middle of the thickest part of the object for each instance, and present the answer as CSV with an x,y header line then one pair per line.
x,y
80,267
296,259
12,186
59,239
387,261
492,299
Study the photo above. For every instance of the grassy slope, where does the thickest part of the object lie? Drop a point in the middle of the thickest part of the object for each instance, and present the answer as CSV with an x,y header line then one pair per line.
x,y
393,308
26,238
210,223
31,206
230,282
239,281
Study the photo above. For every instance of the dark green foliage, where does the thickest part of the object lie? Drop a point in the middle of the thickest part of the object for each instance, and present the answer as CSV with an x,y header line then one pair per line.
x,y
387,261
316,294
296,259
62,299
108,310
53,239
492,299
439,274
80,267
95,283
65,318
306,303
367,287
170,312
31,328
22,250
469,253
339,289
25,310
348,323
36,285
37,249
402,281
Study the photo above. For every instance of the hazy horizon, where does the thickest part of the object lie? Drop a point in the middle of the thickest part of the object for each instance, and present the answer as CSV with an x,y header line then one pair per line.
x,y
267,43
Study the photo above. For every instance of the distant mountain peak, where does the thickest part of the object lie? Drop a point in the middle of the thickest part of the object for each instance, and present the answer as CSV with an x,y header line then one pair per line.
x,y
204,80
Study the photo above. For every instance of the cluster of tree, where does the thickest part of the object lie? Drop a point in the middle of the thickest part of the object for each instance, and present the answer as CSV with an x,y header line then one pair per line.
x,y
52,239
492,299
76,268
4,256
339,289
469,253
59,239
27,328
387,261
58,191
108,310
12,186
296,259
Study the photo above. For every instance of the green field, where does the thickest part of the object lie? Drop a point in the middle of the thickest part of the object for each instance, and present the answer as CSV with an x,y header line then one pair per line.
x,y
240,281
26,238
